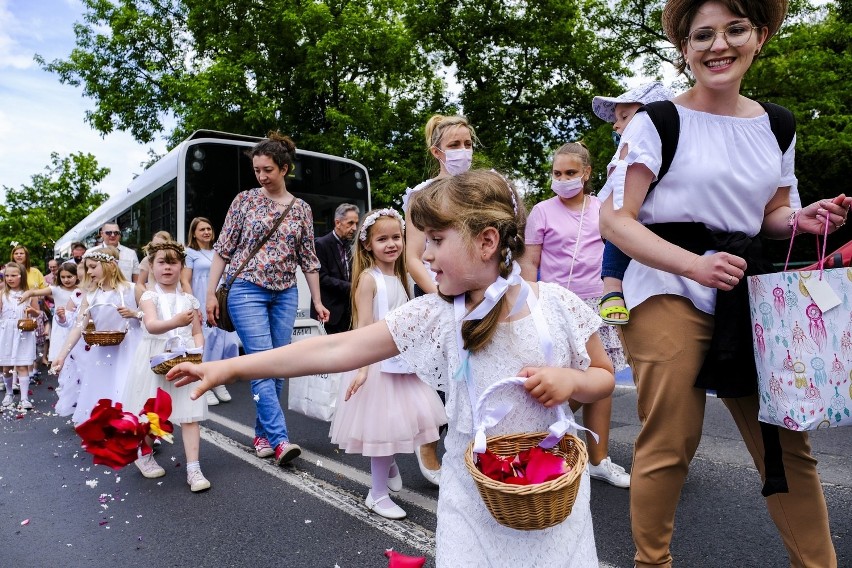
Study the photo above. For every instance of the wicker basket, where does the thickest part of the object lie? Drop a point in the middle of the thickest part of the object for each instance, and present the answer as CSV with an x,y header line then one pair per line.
x,y
528,507
27,324
102,338
166,366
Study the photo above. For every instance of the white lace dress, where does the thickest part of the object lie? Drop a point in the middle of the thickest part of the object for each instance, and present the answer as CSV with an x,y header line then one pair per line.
x,y
143,382
467,535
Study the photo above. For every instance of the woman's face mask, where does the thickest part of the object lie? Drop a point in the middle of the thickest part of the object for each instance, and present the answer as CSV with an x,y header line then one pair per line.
x,y
457,161
567,188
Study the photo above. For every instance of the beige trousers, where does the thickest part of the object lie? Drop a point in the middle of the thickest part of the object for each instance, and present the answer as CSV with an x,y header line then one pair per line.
x,y
665,343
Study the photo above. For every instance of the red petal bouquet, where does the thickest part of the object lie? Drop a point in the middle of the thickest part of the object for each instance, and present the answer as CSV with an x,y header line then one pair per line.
x,y
114,436
528,467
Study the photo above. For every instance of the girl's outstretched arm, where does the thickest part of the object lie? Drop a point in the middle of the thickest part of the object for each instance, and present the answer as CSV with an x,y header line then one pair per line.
x,y
329,353
556,385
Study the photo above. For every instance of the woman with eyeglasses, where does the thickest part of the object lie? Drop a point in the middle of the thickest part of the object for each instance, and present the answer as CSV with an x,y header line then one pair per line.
x,y
693,239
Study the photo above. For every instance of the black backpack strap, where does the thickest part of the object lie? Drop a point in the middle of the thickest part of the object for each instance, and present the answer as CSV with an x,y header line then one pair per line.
x,y
667,122
783,124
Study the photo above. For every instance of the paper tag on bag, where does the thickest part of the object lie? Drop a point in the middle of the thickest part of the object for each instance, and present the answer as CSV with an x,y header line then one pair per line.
x,y
821,293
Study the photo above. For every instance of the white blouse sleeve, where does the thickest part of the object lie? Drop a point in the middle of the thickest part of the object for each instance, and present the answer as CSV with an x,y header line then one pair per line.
x,y
644,147
423,332
788,175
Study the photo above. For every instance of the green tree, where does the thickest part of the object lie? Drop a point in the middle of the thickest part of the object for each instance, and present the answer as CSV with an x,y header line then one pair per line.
x,y
527,71
36,215
342,76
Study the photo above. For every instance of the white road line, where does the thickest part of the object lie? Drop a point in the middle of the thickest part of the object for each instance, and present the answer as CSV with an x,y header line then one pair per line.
x,y
428,504
405,531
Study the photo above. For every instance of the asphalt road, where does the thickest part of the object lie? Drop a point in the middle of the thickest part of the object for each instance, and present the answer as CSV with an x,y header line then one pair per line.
x,y
57,509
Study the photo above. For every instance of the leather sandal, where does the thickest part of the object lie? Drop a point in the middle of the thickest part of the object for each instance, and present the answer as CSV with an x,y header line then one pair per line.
x,y
606,313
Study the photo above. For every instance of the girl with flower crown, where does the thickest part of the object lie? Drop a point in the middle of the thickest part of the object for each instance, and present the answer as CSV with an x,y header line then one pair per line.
x,y
385,409
485,324
109,302
172,325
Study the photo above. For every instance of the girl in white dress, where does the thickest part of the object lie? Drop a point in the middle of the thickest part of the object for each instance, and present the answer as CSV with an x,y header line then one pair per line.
x,y
473,223
171,323
66,297
109,302
385,409
218,343
17,347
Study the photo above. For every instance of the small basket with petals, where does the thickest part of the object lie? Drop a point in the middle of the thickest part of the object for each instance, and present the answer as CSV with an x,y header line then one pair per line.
x,y
27,324
175,352
93,336
536,506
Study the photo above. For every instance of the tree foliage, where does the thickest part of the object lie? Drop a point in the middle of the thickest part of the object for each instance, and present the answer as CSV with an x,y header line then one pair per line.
x,y
36,215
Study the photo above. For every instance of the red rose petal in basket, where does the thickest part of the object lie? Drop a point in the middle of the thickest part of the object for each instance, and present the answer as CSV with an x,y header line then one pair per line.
x,y
542,466
496,467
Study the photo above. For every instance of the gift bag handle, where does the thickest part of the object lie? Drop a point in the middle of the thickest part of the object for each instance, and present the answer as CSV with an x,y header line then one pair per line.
x,y
820,251
491,417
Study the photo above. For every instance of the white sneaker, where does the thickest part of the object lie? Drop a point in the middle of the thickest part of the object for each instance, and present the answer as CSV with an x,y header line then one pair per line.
x,y
196,480
26,404
211,398
8,400
610,472
149,467
222,393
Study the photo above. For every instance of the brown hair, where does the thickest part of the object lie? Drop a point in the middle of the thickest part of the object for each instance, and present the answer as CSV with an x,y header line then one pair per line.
x,y
173,253
470,203
363,260
71,268
578,149
191,241
26,258
754,10
280,148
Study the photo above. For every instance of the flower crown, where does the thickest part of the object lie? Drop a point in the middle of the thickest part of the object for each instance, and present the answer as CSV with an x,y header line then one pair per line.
x,y
154,248
99,255
370,219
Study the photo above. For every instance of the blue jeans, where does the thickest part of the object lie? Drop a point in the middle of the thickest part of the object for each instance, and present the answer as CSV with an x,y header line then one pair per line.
x,y
264,320
614,262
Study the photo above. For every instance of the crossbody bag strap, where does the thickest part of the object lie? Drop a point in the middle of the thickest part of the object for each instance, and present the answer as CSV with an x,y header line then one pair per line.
x,y
260,244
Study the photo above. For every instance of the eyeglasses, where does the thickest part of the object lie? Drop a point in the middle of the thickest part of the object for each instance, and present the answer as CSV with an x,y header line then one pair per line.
x,y
112,233
735,35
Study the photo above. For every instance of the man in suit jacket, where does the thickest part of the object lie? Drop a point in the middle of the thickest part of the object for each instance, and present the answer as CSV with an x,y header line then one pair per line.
x,y
334,251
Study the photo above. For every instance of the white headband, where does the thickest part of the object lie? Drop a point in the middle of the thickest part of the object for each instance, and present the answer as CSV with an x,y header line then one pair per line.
x,y
370,219
100,256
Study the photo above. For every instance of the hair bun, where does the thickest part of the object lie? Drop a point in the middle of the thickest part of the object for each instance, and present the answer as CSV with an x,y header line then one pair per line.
x,y
283,139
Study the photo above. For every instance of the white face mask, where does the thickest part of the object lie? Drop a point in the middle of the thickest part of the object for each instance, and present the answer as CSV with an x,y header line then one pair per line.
x,y
458,161
567,188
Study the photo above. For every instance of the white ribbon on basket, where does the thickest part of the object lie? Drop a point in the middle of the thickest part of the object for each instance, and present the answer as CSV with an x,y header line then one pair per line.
x,y
177,352
492,416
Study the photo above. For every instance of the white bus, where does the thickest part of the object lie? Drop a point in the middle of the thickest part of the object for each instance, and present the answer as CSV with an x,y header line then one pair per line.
x,y
200,177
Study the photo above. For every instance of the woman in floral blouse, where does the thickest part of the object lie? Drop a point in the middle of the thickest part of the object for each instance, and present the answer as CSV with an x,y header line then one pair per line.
x,y
264,297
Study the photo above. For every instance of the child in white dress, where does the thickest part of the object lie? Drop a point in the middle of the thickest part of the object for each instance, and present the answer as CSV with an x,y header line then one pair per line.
x,y
473,223
385,409
66,296
17,346
110,304
172,322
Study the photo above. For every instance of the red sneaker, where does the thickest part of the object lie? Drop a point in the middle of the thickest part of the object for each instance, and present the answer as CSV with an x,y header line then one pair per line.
x,y
262,447
286,452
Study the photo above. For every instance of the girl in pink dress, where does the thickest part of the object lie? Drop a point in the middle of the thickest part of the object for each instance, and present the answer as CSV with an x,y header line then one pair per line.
x,y
384,409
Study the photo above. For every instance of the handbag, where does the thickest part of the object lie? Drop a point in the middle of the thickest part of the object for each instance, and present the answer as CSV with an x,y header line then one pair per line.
x,y
803,352
314,395
222,291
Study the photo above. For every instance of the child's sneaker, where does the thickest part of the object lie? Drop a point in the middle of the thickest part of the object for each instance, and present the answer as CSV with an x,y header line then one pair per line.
x,y
8,400
26,404
211,398
610,472
196,480
149,467
286,452
262,447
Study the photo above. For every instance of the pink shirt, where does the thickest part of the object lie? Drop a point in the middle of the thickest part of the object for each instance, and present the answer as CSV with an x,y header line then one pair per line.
x,y
555,227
